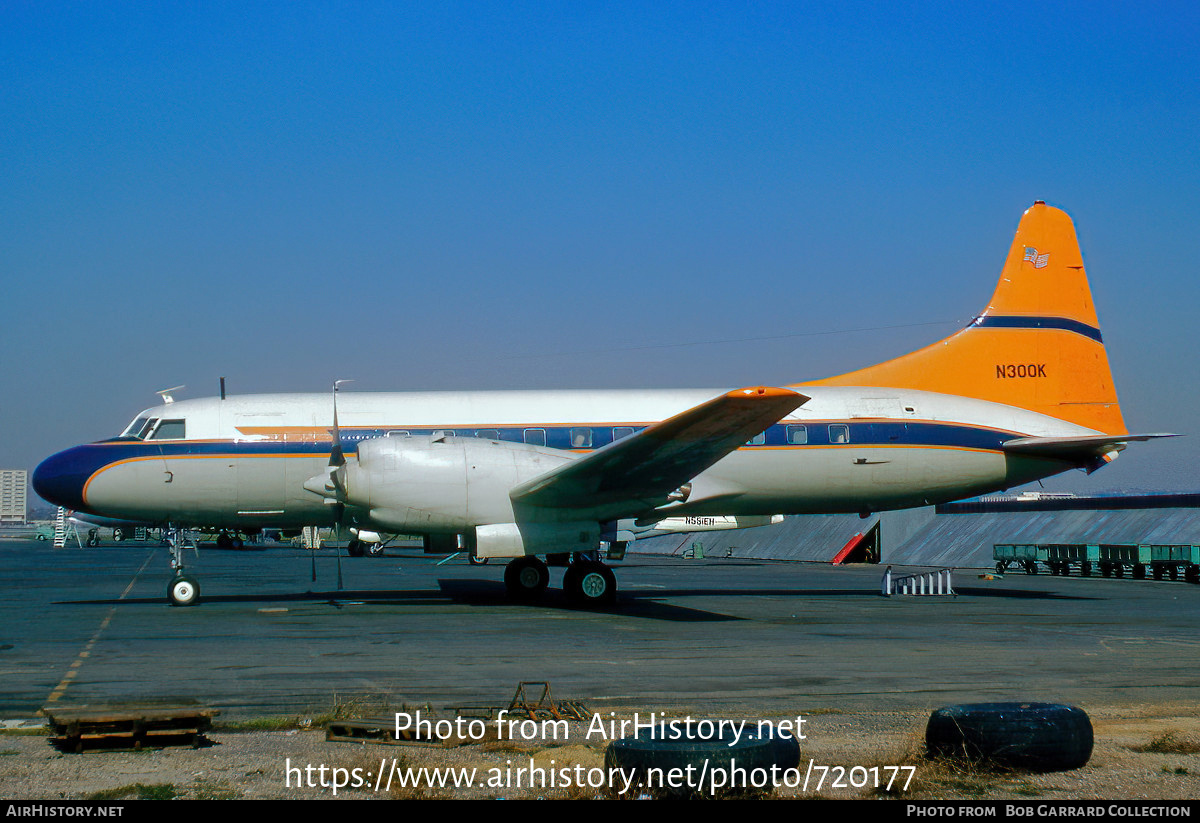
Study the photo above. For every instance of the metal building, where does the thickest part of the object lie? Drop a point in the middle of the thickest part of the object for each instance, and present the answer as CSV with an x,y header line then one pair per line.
x,y
13,491
958,534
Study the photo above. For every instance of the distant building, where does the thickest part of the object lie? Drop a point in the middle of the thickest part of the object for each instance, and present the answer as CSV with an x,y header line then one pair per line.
x,y
13,485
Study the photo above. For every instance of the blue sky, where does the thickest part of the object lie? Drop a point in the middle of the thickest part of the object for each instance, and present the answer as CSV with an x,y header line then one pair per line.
x,y
479,195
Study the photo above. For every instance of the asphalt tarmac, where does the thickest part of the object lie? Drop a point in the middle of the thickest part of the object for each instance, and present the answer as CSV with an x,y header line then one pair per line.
x,y
89,625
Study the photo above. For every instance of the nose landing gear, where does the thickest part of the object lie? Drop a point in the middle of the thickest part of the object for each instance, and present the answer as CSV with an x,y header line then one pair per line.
x,y
182,590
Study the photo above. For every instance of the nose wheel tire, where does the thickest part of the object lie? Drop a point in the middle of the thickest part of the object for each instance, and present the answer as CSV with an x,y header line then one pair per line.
x,y
589,583
183,591
526,578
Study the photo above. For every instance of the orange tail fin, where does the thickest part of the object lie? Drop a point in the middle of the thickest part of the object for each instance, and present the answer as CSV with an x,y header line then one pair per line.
x,y
1036,346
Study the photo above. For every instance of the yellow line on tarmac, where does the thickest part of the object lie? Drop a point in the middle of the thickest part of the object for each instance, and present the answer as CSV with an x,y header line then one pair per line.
x,y
73,669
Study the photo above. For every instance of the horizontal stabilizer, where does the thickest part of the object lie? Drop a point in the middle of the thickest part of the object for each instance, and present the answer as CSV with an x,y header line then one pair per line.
x,y
1081,448
641,470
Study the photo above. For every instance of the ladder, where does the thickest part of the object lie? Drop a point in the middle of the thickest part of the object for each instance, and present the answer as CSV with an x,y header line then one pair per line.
x,y
64,529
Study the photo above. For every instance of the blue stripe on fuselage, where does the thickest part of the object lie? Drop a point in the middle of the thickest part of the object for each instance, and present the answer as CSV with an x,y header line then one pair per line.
x,y
60,478
861,433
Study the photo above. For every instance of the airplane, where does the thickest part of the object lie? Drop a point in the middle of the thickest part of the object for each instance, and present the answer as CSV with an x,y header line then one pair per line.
x,y
1023,392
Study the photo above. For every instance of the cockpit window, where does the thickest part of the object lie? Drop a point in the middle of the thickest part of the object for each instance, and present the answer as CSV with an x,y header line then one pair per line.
x,y
135,428
169,430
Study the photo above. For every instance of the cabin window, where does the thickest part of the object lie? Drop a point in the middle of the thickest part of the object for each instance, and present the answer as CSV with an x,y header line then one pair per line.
x,y
488,434
581,438
169,430
839,433
443,433
621,431
397,433
757,440
797,435
535,437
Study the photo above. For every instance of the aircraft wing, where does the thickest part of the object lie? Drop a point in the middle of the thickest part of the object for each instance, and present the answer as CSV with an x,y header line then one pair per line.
x,y
1081,448
643,469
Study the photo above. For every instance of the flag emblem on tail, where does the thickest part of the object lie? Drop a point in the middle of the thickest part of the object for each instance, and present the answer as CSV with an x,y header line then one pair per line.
x,y
1039,261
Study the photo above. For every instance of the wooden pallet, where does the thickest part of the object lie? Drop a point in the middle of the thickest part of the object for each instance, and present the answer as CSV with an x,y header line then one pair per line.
x,y
128,726
376,730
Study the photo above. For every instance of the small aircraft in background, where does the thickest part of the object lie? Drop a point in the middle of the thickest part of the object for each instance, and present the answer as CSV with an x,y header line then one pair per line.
x,y
1023,392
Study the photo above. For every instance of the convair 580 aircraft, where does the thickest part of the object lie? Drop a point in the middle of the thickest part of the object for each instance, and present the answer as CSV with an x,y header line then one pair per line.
x,y
1022,393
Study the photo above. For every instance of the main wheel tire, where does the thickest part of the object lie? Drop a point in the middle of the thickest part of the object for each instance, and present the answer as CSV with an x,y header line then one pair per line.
x,y
1041,737
354,548
224,541
526,578
183,591
589,583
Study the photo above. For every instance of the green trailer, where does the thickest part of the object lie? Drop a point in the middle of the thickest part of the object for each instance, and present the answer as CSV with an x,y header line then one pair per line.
x,y
1119,559
1063,558
1022,555
1175,561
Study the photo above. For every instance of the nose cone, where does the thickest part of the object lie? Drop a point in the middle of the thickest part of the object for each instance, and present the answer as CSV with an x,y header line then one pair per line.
x,y
60,478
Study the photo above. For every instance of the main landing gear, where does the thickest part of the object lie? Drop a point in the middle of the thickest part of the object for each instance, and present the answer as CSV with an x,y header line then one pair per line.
x,y
587,582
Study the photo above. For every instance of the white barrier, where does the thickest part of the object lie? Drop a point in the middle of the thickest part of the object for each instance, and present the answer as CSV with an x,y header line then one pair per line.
x,y
924,583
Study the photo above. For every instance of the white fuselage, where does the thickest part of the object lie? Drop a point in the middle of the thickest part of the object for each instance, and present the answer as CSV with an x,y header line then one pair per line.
x,y
242,462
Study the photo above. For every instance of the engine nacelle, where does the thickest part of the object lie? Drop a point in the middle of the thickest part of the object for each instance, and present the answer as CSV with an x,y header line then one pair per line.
x,y
442,484
517,539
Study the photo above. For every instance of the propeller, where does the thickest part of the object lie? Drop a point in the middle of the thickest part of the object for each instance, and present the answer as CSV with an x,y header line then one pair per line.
x,y
333,485
337,482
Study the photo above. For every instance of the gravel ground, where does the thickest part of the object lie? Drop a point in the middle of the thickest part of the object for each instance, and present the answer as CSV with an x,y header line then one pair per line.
x,y
253,765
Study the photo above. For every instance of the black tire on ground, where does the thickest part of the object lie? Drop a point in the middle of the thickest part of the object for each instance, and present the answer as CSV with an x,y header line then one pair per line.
x,y
183,591
354,548
736,758
590,583
1040,737
526,578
